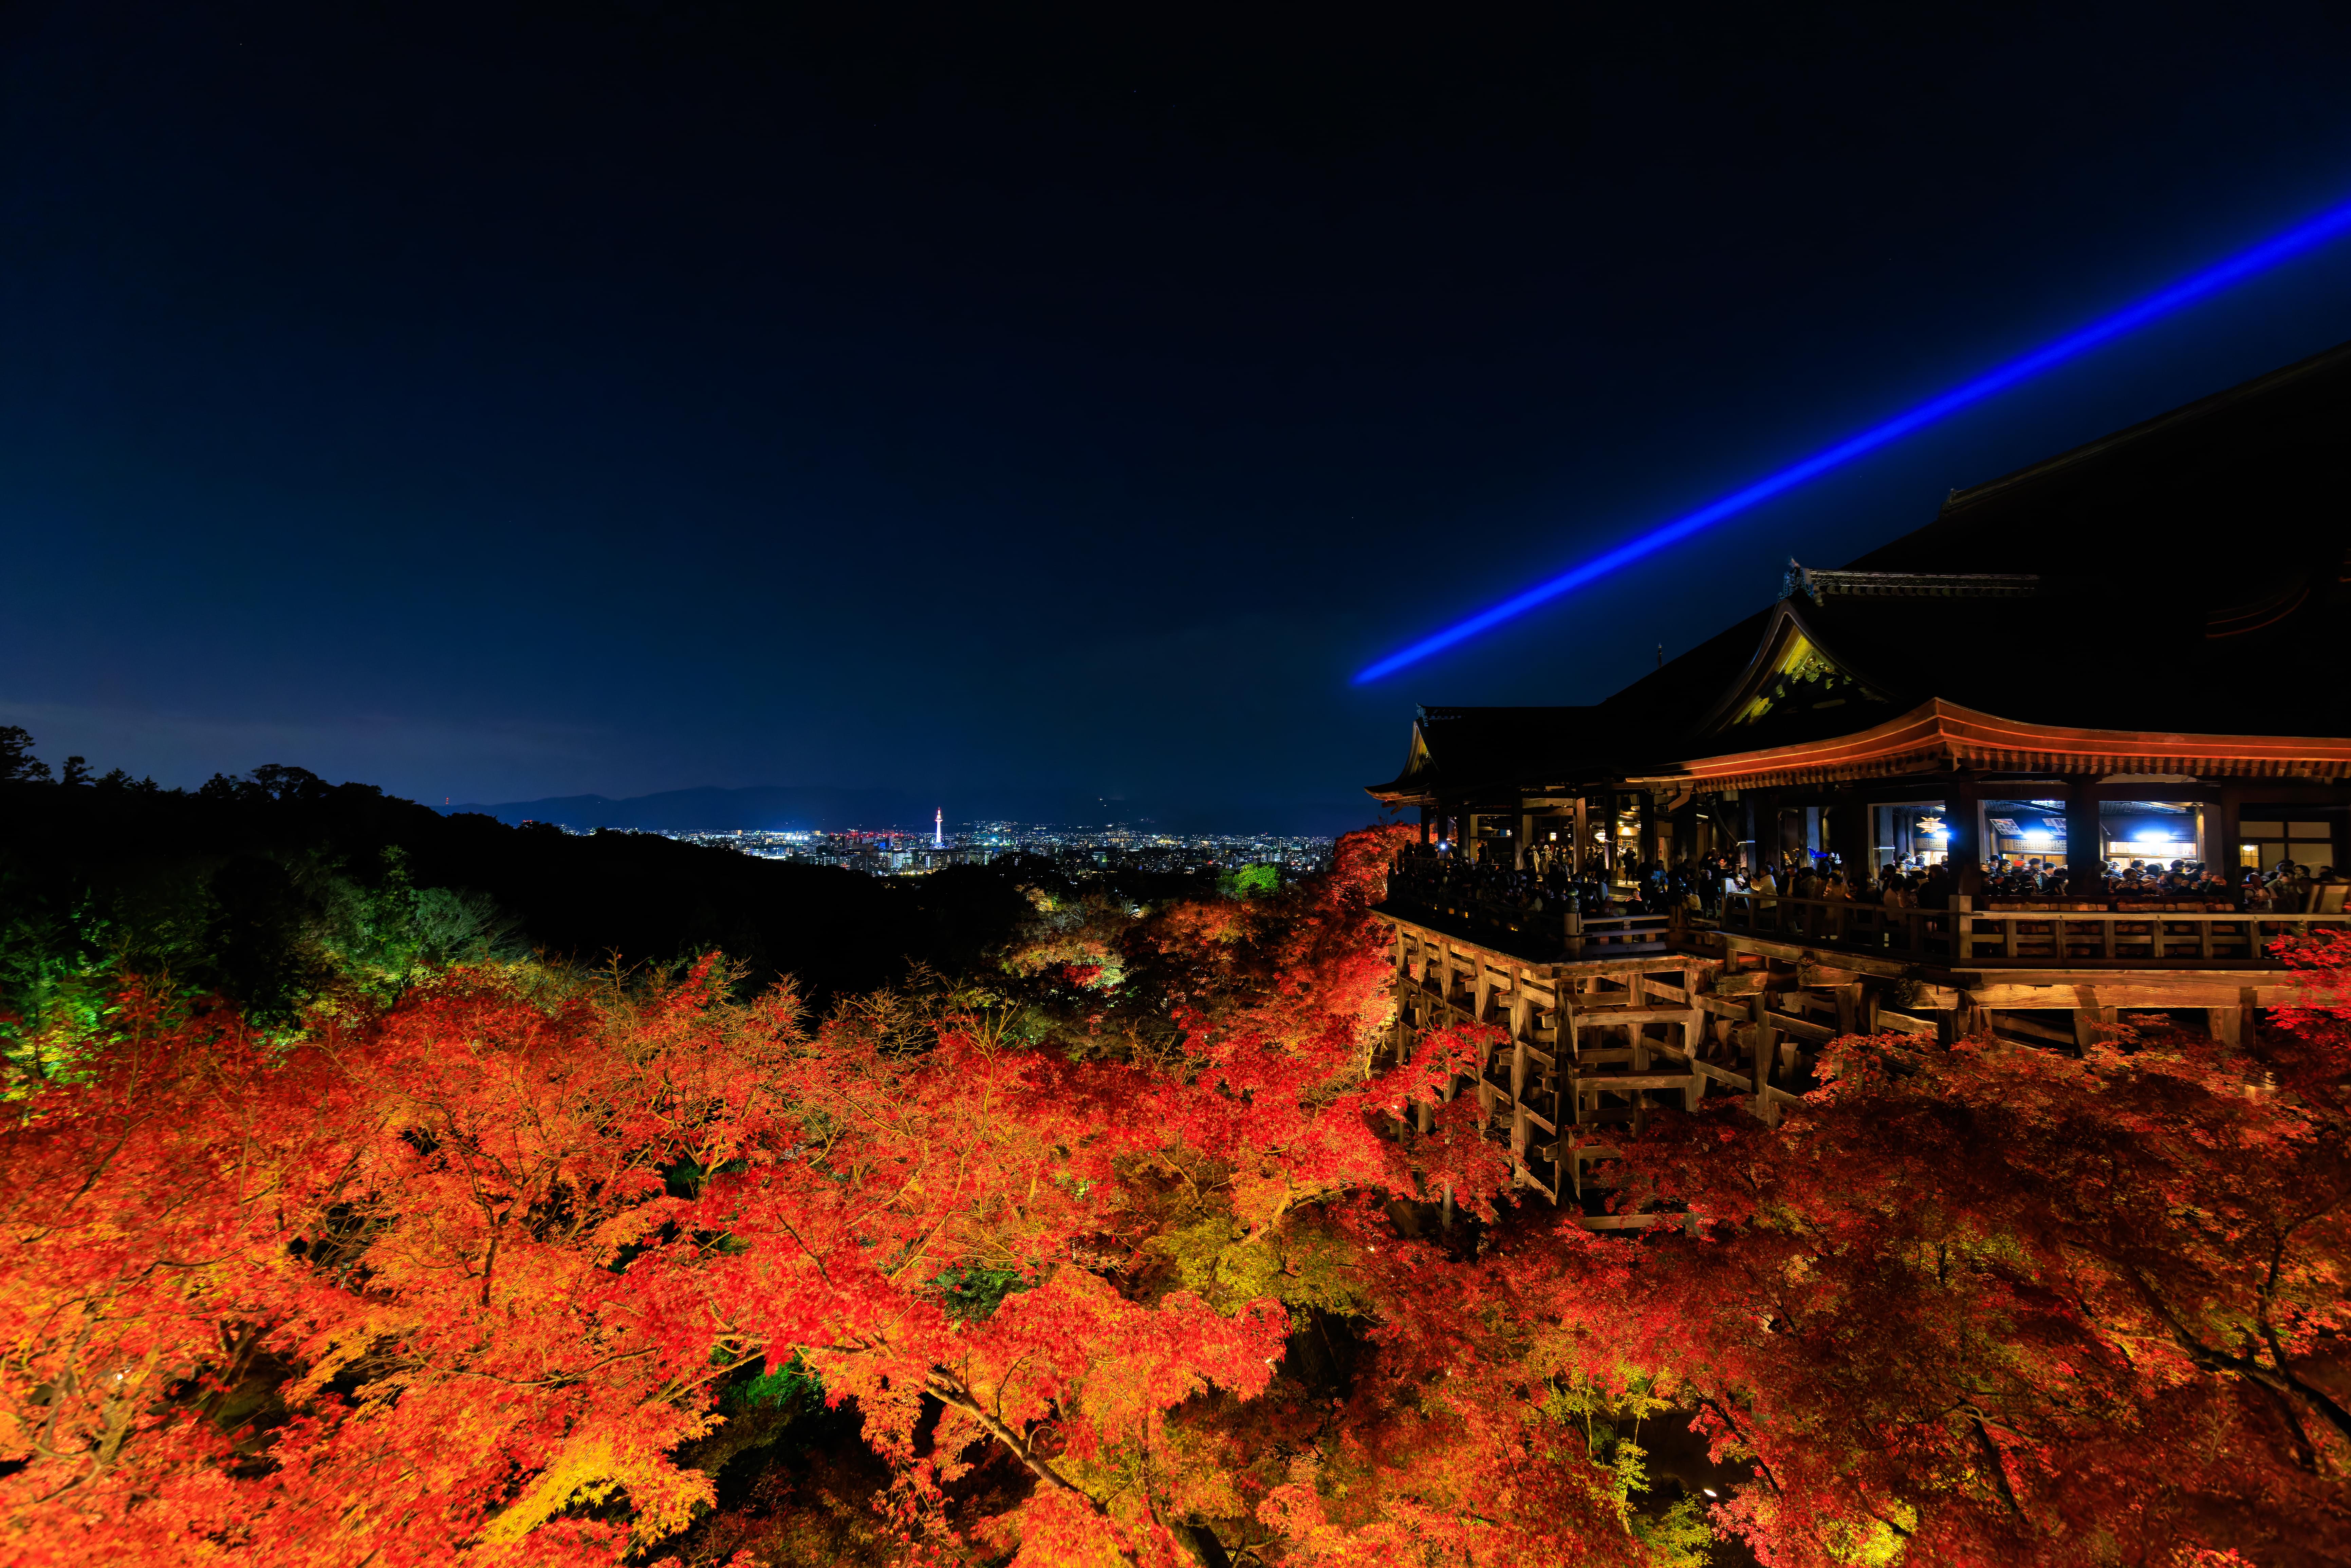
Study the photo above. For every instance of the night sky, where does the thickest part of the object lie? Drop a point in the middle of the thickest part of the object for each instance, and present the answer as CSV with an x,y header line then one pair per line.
x,y
493,404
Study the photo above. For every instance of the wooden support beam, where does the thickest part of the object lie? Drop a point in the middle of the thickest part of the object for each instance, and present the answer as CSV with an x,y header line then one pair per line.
x,y
1798,954
1609,1016
2145,989
1738,1084
1628,1082
1800,1028
2010,1023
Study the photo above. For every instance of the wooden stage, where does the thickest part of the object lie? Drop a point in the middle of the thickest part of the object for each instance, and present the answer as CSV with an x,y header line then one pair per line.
x,y
1660,1014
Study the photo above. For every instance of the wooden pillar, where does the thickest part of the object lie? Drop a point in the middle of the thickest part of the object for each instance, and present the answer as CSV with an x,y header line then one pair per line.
x,y
2224,822
1521,1025
1963,829
1399,1033
1765,1046
1522,839
1610,844
1693,1026
1763,830
1485,1086
1565,1048
1849,834
2085,854
1425,814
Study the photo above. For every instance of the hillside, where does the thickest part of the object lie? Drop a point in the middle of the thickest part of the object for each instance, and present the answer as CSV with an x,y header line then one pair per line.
x,y
259,888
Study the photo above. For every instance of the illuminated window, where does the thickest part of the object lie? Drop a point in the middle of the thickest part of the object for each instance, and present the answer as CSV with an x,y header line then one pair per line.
x,y
2306,841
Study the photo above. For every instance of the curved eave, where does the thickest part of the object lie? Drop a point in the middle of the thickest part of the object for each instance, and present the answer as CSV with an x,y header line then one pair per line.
x,y
1942,735
1401,792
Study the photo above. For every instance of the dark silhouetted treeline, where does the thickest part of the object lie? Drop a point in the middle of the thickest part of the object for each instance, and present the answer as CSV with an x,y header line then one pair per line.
x,y
272,889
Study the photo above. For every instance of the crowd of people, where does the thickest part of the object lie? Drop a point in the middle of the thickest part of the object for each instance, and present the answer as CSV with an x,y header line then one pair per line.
x,y
2287,888
1436,880
1492,892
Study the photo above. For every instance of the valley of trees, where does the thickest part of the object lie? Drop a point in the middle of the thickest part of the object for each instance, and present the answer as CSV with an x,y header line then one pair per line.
x,y
387,1189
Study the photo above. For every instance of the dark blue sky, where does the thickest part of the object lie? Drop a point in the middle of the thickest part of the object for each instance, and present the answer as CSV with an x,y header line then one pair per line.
x,y
492,403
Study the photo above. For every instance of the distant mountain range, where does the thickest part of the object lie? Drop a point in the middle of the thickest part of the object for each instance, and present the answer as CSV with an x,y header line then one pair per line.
x,y
789,809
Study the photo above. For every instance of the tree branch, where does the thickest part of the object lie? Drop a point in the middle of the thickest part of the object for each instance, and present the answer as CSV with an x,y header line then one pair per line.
x,y
956,1398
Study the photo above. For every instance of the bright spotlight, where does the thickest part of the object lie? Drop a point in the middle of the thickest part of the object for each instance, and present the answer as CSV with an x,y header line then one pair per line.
x,y
2317,231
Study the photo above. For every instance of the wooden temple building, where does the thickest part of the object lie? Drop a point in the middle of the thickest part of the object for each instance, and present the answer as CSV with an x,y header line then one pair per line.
x,y
2136,649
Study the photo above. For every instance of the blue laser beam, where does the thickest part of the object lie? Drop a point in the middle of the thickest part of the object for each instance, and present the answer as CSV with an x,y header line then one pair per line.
x,y
2317,231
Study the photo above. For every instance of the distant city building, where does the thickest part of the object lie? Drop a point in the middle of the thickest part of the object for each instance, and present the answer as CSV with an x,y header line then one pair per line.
x,y
1112,846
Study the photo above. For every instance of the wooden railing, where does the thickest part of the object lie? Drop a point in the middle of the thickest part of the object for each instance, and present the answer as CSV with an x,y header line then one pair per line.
x,y
1547,935
2055,937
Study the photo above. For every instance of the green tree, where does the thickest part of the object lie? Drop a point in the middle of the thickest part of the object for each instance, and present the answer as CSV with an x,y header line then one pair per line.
x,y
1261,881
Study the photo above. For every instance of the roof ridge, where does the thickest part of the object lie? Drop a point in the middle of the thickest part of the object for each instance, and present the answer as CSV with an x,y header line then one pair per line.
x,y
2268,381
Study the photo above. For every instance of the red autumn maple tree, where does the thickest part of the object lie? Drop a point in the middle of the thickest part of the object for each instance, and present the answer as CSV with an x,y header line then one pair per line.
x,y
461,1277
469,1279
1997,1304
399,1286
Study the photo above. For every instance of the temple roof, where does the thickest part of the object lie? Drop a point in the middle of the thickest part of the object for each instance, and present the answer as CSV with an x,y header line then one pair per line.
x,y
1472,747
2187,575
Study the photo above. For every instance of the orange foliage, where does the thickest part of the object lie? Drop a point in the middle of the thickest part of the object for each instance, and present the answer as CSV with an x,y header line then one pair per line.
x,y
466,1281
